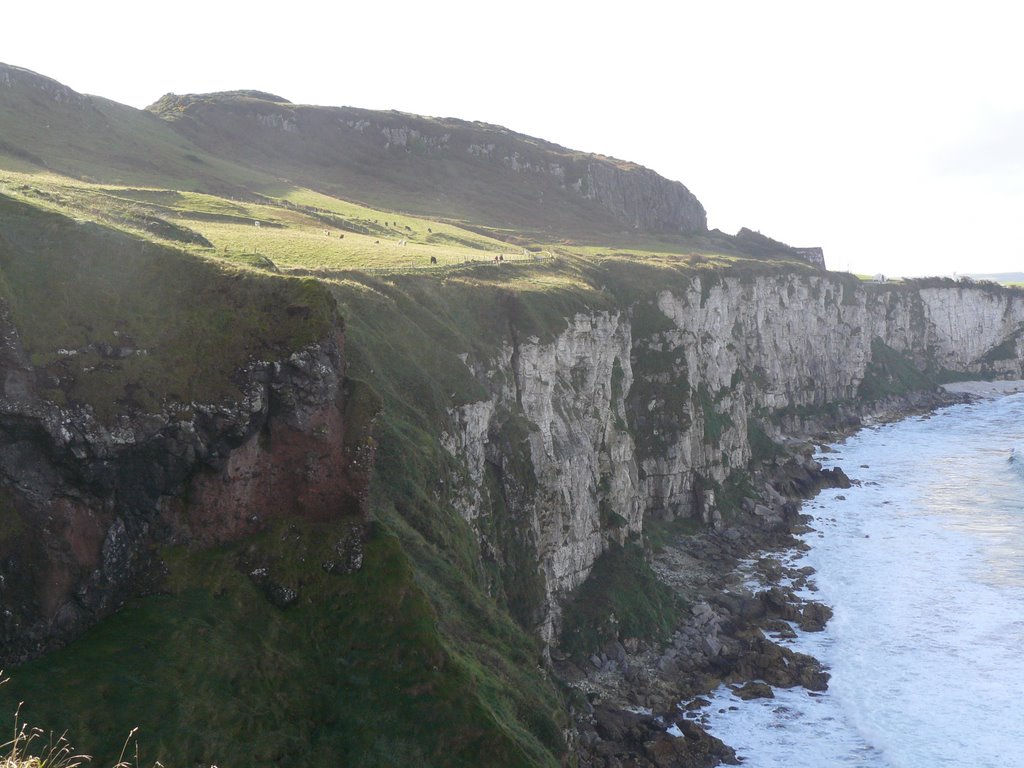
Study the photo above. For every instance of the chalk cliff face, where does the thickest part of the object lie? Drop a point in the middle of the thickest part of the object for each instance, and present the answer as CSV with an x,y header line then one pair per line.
x,y
624,414
569,466
645,411
969,324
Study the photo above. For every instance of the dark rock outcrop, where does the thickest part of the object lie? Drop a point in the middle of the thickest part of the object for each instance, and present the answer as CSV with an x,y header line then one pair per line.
x,y
86,504
645,200
622,738
762,246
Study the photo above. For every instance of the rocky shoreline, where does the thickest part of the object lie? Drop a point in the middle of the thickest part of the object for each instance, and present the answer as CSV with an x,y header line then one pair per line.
x,y
642,703
986,389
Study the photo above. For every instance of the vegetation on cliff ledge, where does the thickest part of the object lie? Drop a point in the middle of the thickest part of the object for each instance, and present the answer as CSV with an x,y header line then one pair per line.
x,y
416,659
355,667
120,323
143,269
622,599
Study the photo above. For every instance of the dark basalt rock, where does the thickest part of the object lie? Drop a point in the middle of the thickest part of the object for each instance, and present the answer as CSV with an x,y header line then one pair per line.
x,y
814,617
754,690
86,505
630,739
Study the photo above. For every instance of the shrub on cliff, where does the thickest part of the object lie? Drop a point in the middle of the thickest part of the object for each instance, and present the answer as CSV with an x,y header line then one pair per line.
x,y
622,598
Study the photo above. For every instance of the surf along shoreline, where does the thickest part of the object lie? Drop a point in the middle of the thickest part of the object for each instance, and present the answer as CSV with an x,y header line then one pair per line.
x,y
647,704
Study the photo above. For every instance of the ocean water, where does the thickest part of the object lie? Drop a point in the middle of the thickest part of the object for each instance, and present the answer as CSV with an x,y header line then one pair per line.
x,y
923,564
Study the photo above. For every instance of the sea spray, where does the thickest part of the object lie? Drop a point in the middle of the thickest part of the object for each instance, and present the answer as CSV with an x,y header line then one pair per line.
x,y
923,563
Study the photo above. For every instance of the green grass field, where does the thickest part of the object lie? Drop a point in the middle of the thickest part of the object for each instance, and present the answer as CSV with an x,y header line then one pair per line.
x,y
300,231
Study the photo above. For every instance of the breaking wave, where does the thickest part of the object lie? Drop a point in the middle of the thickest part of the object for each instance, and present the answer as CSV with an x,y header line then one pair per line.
x,y
923,564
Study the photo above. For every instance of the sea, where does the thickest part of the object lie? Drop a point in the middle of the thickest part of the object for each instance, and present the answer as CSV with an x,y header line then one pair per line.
x,y
922,562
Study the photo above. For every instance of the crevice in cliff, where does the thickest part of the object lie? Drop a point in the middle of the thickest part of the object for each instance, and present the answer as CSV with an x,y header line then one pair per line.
x,y
510,553
516,383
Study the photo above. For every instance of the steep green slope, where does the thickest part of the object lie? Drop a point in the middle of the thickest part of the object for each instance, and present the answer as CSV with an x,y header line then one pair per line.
x,y
355,674
121,323
407,661
437,167
46,125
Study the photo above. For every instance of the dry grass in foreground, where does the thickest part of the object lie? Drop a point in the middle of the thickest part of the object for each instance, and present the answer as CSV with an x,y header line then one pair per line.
x,y
33,748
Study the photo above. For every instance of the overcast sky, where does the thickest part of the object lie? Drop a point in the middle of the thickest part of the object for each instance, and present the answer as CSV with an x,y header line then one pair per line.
x,y
889,133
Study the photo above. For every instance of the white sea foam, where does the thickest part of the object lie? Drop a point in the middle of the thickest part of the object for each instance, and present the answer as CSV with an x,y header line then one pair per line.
x,y
923,564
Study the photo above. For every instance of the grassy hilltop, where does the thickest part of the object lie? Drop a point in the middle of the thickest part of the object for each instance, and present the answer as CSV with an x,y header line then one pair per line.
x,y
208,248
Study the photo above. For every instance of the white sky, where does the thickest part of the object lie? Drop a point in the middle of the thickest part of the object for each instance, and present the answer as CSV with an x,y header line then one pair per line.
x,y
889,133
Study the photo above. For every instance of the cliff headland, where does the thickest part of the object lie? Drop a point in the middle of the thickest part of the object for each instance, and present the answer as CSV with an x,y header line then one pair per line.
x,y
410,440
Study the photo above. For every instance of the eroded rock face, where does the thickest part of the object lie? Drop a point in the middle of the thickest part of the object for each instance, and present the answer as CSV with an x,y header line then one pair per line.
x,y
629,195
645,200
86,504
575,445
646,411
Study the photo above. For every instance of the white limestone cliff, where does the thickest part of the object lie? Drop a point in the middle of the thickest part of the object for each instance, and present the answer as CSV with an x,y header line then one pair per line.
x,y
627,421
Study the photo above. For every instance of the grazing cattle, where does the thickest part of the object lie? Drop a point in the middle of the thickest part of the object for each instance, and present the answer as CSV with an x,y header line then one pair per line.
x,y
256,224
433,259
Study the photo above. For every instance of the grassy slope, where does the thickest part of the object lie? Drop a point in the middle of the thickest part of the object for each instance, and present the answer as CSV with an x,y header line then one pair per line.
x,y
409,662
72,285
430,173
621,598
49,126
355,673
366,669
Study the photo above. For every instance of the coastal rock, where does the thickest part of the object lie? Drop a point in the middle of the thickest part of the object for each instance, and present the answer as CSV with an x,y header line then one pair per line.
x,y
814,616
632,739
694,748
754,690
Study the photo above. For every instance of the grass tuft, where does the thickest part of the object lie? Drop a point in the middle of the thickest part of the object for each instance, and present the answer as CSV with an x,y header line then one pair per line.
x,y
35,748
